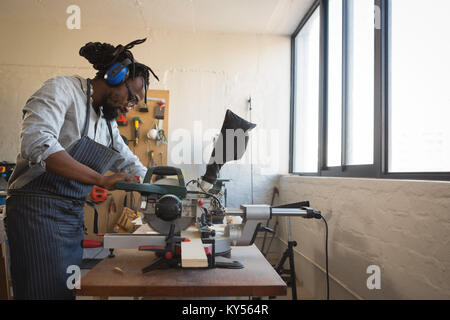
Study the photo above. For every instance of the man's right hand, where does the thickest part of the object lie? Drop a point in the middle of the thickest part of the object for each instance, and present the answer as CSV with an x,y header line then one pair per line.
x,y
109,182
62,164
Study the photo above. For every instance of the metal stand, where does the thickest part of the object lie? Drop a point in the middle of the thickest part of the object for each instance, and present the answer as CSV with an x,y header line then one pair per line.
x,y
288,275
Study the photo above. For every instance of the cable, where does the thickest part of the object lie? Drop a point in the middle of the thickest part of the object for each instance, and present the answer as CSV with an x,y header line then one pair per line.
x,y
204,192
209,195
192,181
250,108
326,257
315,214
198,184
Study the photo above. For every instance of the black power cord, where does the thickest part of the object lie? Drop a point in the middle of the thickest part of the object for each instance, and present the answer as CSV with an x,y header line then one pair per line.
x,y
316,214
208,195
192,181
198,185
326,257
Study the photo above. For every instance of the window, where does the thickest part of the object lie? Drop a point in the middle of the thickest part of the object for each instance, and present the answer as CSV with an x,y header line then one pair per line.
x,y
334,122
419,109
307,48
370,91
360,56
350,100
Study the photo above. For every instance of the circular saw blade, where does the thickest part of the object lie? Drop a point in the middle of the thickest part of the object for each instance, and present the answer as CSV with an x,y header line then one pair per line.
x,y
163,227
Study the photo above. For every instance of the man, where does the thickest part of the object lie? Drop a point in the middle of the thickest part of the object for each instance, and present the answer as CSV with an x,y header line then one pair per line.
x,y
69,139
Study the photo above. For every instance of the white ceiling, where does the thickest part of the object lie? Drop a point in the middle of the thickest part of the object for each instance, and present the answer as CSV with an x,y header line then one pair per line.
x,y
279,17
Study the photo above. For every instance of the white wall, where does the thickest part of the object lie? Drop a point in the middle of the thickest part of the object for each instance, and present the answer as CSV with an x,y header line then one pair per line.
x,y
401,226
206,73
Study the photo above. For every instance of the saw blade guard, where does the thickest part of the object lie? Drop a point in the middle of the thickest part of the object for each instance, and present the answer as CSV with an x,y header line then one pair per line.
x,y
147,188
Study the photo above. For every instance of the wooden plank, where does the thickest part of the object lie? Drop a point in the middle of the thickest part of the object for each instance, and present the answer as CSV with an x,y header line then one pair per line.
x,y
193,252
258,278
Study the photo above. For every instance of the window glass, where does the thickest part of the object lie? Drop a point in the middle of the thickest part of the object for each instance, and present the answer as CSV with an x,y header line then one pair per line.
x,y
306,137
334,120
419,109
361,59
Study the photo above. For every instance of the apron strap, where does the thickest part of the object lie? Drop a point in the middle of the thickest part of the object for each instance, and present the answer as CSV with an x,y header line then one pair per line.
x,y
111,135
88,112
88,116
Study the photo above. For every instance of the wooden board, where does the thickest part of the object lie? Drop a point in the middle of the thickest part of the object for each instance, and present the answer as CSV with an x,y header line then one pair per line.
x,y
193,252
258,278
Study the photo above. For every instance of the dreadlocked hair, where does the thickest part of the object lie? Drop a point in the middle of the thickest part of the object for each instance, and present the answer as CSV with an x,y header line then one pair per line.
x,y
103,55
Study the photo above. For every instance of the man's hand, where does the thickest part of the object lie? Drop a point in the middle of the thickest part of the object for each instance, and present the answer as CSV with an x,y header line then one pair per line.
x,y
109,182
61,163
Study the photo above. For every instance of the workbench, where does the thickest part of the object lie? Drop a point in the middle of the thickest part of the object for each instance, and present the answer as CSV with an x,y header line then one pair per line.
x,y
256,279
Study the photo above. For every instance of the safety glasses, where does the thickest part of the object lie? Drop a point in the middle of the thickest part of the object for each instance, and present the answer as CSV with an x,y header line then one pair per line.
x,y
132,98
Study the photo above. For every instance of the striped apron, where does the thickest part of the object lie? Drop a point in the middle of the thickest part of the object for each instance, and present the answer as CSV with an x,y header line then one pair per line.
x,y
45,223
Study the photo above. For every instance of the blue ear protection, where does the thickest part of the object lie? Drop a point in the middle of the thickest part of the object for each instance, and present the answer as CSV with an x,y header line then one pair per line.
x,y
117,73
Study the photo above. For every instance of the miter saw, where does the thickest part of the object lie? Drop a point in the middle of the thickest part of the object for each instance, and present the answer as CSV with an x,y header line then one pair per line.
x,y
168,206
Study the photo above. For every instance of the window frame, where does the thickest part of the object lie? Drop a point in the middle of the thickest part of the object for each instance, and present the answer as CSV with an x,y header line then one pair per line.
x,y
379,168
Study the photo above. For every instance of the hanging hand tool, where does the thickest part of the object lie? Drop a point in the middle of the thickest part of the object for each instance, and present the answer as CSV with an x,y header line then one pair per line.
x,y
92,205
160,109
162,138
122,120
157,133
129,195
99,194
143,107
136,121
151,161
152,134
111,208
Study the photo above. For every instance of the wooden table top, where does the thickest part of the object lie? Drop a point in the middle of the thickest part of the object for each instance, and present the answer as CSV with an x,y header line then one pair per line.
x,y
257,278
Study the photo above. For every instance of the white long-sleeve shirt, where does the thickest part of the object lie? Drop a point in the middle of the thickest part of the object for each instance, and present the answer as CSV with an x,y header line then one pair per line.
x,y
54,120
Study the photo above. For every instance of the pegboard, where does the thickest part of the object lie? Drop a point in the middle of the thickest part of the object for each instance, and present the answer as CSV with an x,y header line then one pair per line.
x,y
148,121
